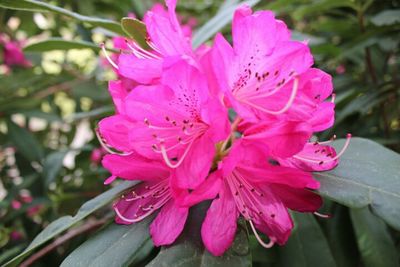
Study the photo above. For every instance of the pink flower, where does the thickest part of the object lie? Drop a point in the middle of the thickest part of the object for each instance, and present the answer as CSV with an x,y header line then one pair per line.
x,y
12,53
97,154
34,210
16,235
341,69
152,194
248,185
165,38
177,121
15,204
262,61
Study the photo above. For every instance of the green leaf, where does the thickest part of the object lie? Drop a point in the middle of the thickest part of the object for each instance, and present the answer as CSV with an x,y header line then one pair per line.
x,y
321,6
38,6
375,244
25,142
52,165
368,174
387,17
188,250
307,246
61,224
135,29
341,237
220,20
59,44
116,245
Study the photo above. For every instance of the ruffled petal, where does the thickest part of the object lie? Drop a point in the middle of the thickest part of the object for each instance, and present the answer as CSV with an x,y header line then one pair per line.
x,y
168,224
219,226
141,70
115,131
296,199
135,167
197,164
283,139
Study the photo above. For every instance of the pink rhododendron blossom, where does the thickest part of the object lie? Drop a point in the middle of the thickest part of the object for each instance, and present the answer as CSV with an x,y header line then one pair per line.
x,y
15,204
172,132
12,53
262,62
177,121
147,197
165,39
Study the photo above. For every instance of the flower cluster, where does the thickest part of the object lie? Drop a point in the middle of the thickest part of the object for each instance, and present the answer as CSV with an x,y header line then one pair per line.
x,y
227,123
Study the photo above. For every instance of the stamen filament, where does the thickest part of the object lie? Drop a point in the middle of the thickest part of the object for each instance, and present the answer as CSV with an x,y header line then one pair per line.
x,y
262,243
325,216
103,48
348,137
168,162
107,148
285,108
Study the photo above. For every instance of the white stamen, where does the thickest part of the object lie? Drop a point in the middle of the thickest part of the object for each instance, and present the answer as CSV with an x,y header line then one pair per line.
x,y
333,98
285,108
346,144
327,142
168,162
325,216
107,148
103,48
262,243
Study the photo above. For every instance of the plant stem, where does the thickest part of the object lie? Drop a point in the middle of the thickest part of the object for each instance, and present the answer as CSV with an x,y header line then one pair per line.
x,y
88,226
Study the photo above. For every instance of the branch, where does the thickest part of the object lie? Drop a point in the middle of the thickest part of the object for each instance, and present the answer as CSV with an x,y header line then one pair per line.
x,y
88,226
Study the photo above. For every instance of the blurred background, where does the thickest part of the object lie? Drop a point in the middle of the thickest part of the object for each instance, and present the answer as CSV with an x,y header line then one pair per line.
x,y
51,100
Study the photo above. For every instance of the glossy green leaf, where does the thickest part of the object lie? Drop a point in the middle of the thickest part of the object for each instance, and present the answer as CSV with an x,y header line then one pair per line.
x,y
341,237
307,246
321,6
188,250
52,165
25,142
220,20
60,44
386,17
135,29
39,6
368,174
374,241
116,245
61,224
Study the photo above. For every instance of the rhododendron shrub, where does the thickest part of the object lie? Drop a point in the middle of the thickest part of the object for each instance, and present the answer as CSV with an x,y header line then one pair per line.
x,y
199,133
257,165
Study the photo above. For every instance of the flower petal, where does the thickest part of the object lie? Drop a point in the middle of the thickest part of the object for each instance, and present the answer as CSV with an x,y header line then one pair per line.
x,y
115,131
168,224
135,167
219,226
141,70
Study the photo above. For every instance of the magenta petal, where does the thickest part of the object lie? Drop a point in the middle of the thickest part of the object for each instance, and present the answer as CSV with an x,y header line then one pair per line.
x,y
219,227
284,139
115,131
141,70
313,157
280,175
297,199
207,190
197,163
324,117
135,167
118,93
168,224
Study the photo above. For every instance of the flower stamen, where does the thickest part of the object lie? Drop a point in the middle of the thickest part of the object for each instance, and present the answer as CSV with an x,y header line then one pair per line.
x,y
103,48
